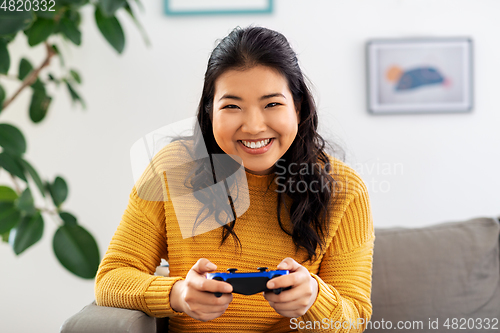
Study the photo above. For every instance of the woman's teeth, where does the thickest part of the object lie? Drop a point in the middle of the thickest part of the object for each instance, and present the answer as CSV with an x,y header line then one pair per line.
x,y
258,144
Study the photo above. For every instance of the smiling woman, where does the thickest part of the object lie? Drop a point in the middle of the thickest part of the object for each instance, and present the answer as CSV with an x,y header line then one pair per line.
x,y
256,108
254,116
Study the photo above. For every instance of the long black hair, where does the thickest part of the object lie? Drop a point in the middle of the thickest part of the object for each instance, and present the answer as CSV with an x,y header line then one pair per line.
x,y
243,49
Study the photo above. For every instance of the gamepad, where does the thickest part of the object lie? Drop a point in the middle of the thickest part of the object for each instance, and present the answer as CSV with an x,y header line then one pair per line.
x,y
248,283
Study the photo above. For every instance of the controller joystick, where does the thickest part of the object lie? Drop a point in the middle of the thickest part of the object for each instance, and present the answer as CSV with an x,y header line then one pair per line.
x,y
248,283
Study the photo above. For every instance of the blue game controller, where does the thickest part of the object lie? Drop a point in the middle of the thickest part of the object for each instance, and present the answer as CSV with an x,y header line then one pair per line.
x,y
248,283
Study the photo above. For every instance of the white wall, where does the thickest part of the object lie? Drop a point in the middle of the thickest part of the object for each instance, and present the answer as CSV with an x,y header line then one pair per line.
x,y
441,167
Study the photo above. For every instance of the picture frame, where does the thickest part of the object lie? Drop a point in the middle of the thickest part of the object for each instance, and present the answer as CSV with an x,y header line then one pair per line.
x,y
217,7
425,75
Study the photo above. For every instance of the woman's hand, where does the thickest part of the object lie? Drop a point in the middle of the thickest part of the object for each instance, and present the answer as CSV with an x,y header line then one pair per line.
x,y
295,302
195,295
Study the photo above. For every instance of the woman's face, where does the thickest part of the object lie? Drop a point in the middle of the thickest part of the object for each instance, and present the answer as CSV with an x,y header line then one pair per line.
x,y
254,108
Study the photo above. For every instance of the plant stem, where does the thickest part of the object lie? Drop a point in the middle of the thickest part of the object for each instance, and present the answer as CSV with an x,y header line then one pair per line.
x,y
44,210
51,215
31,78
16,185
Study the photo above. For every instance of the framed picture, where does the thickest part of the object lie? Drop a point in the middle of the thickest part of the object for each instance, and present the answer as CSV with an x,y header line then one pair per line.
x,y
211,7
419,75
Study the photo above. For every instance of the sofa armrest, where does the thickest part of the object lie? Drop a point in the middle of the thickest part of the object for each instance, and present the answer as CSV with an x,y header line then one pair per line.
x,y
101,319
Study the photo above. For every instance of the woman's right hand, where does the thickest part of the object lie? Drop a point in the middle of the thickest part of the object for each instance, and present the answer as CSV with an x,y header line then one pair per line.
x,y
195,295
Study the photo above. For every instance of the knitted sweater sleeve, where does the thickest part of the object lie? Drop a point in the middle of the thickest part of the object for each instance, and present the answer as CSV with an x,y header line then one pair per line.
x,y
343,303
125,277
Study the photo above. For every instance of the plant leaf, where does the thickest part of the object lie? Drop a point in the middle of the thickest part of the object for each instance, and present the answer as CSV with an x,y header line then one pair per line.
x,y
26,203
75,76
25,68
70,30
28,232
74,96
5,236
52,78
13,21
7,194
140,5
39,105
39,85
111,30
74,15
109,7
4,57
12,140
46,14
9,216
34,175
9,38
2,97
138,24
69,219
40,30
59,54
76,250
73,3
11,165
58,191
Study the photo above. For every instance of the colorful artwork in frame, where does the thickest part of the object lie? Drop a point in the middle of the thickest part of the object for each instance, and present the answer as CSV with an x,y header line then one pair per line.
x,y
217,7
419,75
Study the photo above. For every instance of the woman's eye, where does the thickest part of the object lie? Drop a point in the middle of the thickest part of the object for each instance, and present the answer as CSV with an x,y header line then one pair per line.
x,y
230,106
272,105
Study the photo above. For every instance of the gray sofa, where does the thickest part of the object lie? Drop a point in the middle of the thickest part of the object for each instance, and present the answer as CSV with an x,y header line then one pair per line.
x,y
440,278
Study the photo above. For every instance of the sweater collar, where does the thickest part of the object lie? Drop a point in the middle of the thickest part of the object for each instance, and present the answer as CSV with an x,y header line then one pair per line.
x,y
259,180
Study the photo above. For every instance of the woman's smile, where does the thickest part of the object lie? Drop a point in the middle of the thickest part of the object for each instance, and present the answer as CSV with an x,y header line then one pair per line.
x,y
257,146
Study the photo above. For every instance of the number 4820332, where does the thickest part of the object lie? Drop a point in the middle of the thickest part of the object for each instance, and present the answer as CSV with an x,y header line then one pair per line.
x,y
28,5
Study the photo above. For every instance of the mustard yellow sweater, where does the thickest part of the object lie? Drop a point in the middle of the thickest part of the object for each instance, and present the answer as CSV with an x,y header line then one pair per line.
x,y
149,231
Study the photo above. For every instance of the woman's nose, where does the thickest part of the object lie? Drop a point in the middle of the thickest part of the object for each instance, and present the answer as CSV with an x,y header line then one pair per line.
x,y
254,121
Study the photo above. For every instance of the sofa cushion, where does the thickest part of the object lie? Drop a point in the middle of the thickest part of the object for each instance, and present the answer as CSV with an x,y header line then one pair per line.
x,y
102,319
435,273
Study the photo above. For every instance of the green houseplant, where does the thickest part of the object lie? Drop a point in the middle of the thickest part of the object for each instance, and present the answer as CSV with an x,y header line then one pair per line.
x,y
21,218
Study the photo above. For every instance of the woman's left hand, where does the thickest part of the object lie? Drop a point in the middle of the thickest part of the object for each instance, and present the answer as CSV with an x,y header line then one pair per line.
x,y
295,302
